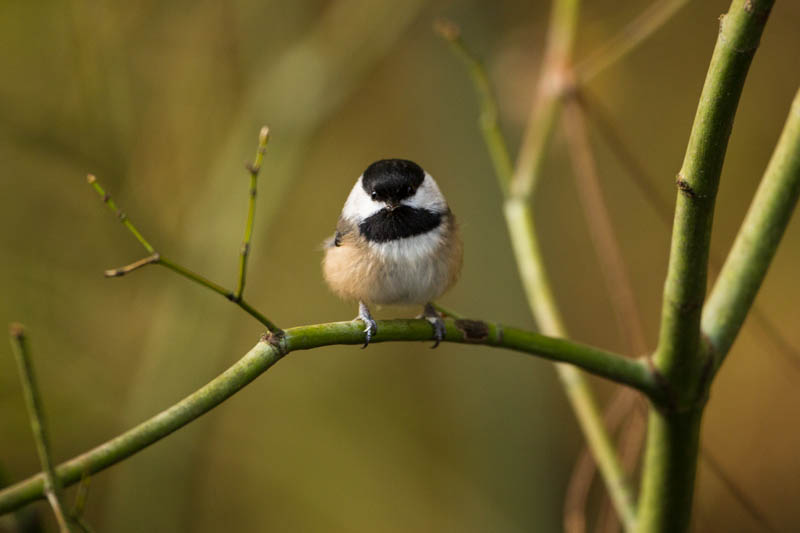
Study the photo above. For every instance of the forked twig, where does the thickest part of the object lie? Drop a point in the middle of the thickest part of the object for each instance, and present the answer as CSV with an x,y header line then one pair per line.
x,y
156,258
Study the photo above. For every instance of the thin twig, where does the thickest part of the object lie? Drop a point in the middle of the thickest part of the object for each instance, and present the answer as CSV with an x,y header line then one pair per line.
x,y
628,39
50,483
629,444
547,97
489,119
607,249
584,469
274,347
159,259
116,272
738,494
254,168
606,245
601,230
577,493
92,181
81,496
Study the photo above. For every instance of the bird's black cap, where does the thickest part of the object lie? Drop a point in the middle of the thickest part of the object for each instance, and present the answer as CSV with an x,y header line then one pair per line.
x,y
391,180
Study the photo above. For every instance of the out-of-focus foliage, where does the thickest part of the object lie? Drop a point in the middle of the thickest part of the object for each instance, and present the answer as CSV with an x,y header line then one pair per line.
x,y
163,101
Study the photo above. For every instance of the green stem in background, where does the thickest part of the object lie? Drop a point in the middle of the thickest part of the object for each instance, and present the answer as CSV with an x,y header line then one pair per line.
x,y
673,435
271,349
628,39
489,119
619,287
522,230
520,221
50,484
547,97
747,263
263,138
156,258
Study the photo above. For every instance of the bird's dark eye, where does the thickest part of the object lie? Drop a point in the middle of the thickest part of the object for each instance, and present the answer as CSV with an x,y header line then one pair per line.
x,y
410,190
374,195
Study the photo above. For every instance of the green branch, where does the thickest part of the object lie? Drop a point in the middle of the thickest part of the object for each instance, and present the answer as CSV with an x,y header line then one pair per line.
x,y
272,348
50,485
758,239
678,354
254,169
156,258
517,185
673,435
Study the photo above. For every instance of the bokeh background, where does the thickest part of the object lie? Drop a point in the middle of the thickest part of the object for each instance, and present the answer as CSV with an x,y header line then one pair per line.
x,y
164,100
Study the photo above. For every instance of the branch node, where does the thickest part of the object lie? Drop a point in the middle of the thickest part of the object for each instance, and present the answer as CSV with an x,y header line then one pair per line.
x,y
16,330
276,339
684,187
473,330
668,395
447,29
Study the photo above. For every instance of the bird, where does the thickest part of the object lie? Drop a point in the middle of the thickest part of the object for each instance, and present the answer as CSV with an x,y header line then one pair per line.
x,y
396,243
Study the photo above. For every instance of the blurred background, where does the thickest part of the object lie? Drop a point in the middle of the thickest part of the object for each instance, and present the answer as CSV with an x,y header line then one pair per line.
x,y
163,101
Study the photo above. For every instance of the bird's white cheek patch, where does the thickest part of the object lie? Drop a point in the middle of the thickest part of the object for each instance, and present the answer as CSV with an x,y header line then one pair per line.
x,y
428,196
359,206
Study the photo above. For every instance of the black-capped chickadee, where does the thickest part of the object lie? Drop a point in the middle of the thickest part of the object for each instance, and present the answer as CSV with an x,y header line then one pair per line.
x,y
396,243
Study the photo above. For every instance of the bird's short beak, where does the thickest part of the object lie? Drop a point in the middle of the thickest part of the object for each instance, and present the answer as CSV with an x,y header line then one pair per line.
x,y
391,206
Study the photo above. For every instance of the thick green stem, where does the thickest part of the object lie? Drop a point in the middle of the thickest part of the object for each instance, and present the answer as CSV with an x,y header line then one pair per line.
x,y
681,359
271,349
51,487
678,355
758,239
669,470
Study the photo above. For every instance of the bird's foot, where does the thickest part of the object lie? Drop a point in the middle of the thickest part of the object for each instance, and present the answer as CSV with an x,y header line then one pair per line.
x,y
371,326
432,315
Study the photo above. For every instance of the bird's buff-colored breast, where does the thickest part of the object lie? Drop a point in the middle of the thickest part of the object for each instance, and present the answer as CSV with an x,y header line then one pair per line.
x,y
410,271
